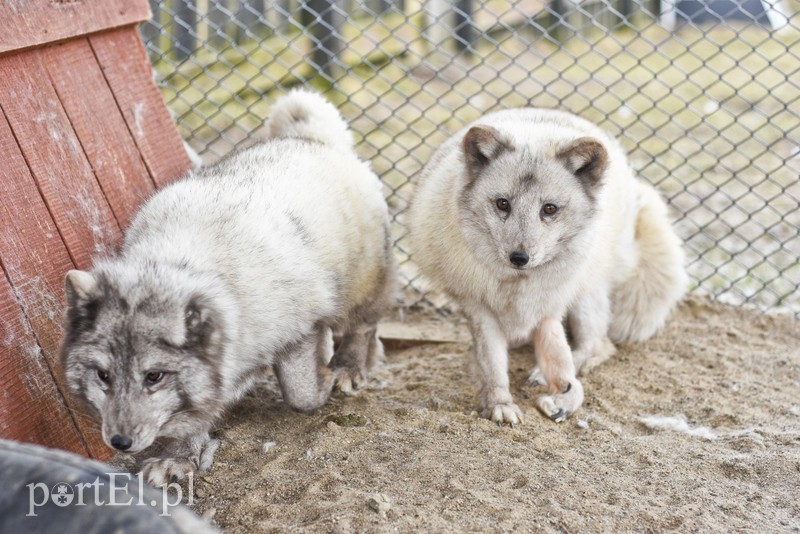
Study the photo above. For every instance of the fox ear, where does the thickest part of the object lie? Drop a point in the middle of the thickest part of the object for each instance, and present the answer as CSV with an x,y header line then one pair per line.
x,y
482,144
81,288
586,158
199,324
83,300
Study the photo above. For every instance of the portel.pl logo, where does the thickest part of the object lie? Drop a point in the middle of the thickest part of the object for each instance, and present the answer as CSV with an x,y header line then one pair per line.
x,y
63,494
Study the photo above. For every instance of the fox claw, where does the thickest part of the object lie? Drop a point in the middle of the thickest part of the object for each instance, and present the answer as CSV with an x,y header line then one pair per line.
x,y
160,472
560,406
504,414
348,382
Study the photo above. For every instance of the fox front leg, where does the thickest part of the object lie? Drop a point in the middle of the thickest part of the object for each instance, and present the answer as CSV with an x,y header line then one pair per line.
x,y
555,362
490,353
179,459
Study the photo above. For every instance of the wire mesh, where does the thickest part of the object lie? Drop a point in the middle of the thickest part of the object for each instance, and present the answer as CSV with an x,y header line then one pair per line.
x,y
704,95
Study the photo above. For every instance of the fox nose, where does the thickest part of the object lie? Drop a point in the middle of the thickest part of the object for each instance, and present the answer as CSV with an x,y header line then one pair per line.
x,y
121,443
519,258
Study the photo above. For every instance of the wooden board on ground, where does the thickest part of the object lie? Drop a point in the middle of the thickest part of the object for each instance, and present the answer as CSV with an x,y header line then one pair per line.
x,y
398,335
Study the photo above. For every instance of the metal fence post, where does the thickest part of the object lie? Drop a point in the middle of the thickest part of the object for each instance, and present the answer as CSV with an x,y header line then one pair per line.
x,y
448,23
151,31
218,20
251,18
184,28
557,25
325,27
378,7
464,30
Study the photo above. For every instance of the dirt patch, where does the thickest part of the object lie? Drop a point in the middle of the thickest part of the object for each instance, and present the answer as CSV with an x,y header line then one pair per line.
x,y
719,389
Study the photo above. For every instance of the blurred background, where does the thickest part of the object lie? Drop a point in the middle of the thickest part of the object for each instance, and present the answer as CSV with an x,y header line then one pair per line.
x,y
704,95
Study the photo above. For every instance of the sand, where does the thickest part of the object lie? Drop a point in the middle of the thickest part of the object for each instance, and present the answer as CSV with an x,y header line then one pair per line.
x,y
696,430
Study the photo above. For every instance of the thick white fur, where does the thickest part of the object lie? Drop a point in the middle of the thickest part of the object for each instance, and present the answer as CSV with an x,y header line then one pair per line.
x,y
278,245
280,285
309,116
619,277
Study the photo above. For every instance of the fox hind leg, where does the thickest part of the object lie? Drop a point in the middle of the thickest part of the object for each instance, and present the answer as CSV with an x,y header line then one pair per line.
x,y
358,352
360,349
589,322
303,375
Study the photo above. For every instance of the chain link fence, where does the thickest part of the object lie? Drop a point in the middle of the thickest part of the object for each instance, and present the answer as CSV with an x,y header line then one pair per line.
x,y
704,94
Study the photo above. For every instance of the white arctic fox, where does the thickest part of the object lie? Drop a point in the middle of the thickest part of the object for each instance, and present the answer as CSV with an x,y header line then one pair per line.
x,y
250,263
531,218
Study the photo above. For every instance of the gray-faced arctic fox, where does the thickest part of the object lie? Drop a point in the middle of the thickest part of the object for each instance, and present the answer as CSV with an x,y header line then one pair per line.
x,y
250,263
530,219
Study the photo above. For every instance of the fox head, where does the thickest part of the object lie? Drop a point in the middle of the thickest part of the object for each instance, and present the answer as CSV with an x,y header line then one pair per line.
x,y
142,350
521,203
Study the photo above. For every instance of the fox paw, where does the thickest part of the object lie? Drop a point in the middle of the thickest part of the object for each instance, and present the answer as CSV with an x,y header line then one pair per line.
x,y
585,362
159,472
348,381
206,458
561,405
504,414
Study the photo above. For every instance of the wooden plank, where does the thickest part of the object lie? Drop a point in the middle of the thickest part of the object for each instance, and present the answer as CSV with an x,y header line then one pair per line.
x,y
129,74
31,407
100,126
29,23
421,331
34,260
55,157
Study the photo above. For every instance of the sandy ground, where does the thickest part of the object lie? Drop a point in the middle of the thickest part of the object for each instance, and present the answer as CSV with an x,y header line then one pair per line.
x,y
724,456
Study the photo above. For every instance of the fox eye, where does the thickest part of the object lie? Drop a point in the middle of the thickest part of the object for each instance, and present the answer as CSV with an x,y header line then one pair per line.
x,y
503,204
103,376
549,209
153,377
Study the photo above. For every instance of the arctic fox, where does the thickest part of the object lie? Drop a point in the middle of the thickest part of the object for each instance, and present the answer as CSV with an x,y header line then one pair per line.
x,y
249,263
530,219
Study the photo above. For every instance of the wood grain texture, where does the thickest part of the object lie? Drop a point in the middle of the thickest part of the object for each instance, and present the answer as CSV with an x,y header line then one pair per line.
x,y
85,137
30,23
100,126
35,260
130,77
32,409
55,157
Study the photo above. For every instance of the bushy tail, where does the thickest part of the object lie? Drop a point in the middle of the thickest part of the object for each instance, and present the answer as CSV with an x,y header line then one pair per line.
x,y
307,115
641,304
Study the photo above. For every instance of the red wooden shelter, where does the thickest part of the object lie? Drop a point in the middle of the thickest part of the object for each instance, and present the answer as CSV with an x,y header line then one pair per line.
x,y
84,138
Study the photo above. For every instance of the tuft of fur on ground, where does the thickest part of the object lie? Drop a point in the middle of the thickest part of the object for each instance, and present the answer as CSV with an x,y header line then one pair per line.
x,y
411,455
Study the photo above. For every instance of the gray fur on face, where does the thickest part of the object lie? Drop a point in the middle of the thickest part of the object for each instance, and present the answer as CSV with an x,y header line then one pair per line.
x,y
528,179
120,333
